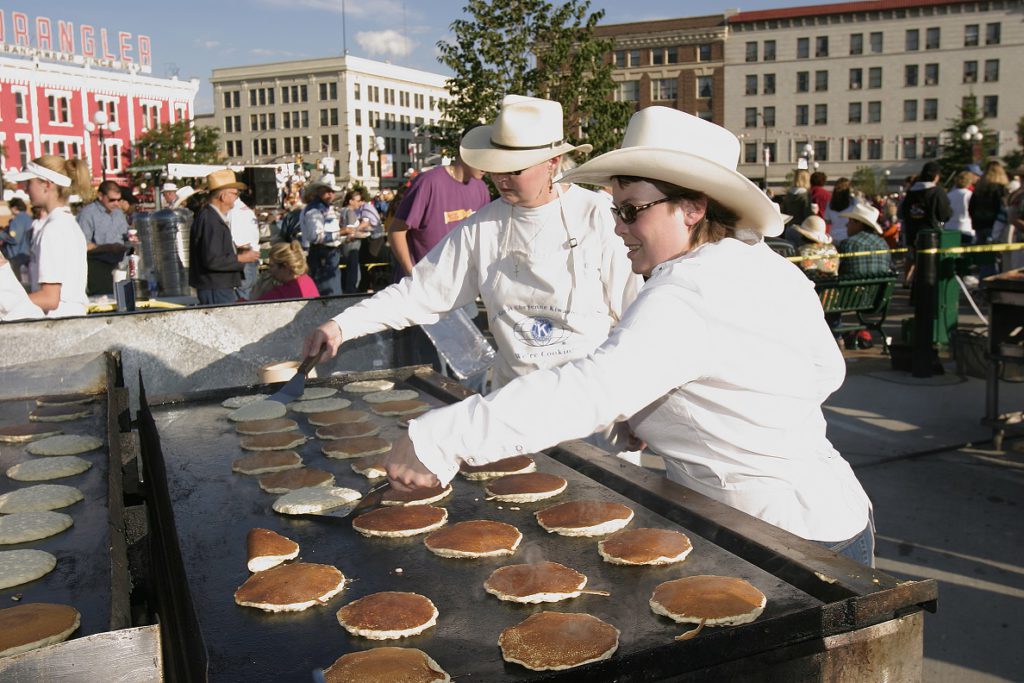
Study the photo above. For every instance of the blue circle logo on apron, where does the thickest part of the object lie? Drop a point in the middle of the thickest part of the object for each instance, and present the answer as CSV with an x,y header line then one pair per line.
x,y
539,332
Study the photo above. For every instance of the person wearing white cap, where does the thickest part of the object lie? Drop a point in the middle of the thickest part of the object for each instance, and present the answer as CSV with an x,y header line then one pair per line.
x,y
819,257
865,235
688,364
58,264
168,193
552,275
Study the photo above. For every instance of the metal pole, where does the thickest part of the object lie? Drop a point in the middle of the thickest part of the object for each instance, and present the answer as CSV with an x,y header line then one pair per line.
x,y
926,278
764,150
103,165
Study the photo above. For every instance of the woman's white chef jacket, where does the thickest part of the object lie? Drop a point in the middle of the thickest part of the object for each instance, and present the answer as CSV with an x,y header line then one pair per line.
x,y
59,257
721,365
554,280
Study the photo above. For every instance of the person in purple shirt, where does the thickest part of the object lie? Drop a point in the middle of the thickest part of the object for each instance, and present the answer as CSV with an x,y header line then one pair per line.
x,y
436,203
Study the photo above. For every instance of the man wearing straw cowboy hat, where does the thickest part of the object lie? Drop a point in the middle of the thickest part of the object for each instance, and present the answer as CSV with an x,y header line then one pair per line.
x,y
687,361
553,277
216,266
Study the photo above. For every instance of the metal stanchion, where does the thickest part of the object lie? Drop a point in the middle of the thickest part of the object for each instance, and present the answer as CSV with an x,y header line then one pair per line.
x,y
926,278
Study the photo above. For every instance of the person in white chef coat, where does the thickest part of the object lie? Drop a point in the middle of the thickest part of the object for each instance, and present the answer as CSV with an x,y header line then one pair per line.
x,y
544,258
721,364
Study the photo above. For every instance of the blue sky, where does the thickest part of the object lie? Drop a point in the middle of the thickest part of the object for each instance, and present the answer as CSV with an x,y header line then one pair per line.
x,y
190,37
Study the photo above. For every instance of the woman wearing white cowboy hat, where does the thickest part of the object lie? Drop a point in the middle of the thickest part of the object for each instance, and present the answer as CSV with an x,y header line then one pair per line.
x,y
688,362
545,260
818,255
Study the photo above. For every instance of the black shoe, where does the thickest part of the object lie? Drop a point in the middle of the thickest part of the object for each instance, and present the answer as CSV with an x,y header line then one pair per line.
x,y
849,341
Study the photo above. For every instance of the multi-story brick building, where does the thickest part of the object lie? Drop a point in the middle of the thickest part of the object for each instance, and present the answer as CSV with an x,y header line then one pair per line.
x,y
341,108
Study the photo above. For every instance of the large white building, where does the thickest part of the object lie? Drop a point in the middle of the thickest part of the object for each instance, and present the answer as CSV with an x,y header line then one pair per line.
x,y
369,117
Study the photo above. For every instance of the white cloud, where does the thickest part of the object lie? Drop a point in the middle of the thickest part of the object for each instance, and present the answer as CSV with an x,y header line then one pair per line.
x,y
388,43
208,44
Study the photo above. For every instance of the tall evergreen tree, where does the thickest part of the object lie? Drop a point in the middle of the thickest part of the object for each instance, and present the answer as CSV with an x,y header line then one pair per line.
x,y
958,152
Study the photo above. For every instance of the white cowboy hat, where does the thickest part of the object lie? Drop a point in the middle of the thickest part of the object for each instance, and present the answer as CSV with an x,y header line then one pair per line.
x,y
862,212
526,132
169,187
813,228
182,195
670,145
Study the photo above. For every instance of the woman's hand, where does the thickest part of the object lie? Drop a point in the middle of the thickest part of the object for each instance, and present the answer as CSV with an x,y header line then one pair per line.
x,y
327,336
405,471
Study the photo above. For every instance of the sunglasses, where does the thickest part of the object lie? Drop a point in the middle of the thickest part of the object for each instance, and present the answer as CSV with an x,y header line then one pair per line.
x,y
627,212
519,172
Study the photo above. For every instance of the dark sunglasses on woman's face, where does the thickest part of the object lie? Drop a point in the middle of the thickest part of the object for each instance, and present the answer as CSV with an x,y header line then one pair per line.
x,y
627,212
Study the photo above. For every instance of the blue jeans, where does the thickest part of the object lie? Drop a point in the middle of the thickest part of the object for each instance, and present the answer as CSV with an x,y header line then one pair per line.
x,y
350,284
216,297
323,268
860,548
249,276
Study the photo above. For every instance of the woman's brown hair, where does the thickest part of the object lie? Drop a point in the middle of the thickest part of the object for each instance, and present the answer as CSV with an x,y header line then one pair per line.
x,y
718,223
75,169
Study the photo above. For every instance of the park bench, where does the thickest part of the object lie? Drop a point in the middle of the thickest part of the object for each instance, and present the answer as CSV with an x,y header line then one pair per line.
x,y
863,296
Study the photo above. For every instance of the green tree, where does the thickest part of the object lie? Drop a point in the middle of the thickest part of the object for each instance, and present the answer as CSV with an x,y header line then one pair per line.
x,y
867,181
177,143
531,47
958,152
1015,159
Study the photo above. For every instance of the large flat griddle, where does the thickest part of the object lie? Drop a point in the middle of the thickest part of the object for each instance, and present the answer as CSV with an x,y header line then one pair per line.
x,y
212,510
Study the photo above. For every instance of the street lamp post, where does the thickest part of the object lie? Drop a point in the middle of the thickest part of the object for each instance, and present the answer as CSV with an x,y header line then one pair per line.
x,y
380,146
809,153
101,123
973,135
765,153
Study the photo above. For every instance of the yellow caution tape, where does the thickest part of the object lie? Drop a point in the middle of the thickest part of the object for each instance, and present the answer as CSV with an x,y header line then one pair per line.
x,y
976,249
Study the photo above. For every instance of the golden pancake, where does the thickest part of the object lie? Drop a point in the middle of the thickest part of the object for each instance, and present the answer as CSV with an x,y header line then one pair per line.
x,y
290,587
338,417
347,430
289,480
722,600
555,641
409,407
584,518
645,546
525,488
271,461
369,467
368,386
517,464
386,665
268,549
475,538
357,447
279,424
25,627
417,497
271,442
65,399
388,615
533,583
62,413
395,521
27,432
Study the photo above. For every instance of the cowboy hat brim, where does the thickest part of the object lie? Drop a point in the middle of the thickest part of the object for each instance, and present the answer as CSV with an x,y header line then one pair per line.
x,y
819,237
478,151
860,218
227,186
727,187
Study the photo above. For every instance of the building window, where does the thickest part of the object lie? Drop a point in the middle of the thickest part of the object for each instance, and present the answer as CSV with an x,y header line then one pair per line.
x,y
971,71
328,91
856,79
820,81
821,150
874,112
910,147
990,106
768,116
853,150
855,112
704,52
876,42
820,114
931,38
664,89
750,153
59,105
803,81
931,74
993,33
751,51
856,43
769,50
910,110
356,91
971,35
803,48
875,77
252,98
913,40
329,117
232,99
750,117
150,116
751,88
874,148
770,149
19,106
23,152
619,59
664,55
769,83
931,110
801,114
991,70
109,106
629,91
705,87
910,75
254,122
821,46
930,147
229,124
359,117
633,58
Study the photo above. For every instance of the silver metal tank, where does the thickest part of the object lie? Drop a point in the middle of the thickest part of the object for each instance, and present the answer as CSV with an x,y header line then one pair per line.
x,y
170,250
142,221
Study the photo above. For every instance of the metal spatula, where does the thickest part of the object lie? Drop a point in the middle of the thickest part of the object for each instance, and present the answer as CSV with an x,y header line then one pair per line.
x,y
294,387
371,499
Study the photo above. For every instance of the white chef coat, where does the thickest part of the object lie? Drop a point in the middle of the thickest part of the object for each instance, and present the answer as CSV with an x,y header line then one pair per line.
x,y
721,365
547,302
14,301
58,257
